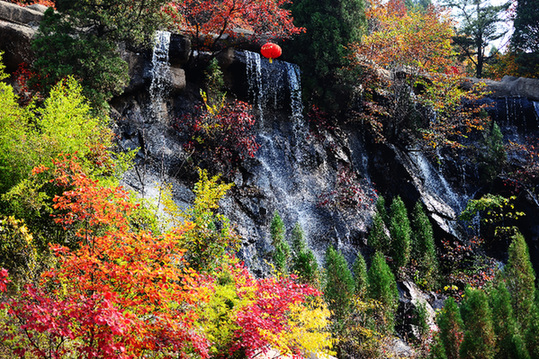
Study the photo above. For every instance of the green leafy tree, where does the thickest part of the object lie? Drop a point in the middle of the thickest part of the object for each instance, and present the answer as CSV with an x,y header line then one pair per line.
x,y
62,50
331,25
479,339
281,254
401,232
359,269
339,286
520,279
451,328
304,263
424,248
123,20
509,341
383,288
478,20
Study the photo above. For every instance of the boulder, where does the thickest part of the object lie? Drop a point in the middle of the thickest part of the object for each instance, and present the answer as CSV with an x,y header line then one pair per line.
x,y
15,43
177,78
511,86
20,15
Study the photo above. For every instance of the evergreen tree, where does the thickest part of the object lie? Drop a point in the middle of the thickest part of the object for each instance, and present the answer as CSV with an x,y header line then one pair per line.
x,y
382,210
401,231
424,249
281,254
478,20
359,268
509,342
339,285
378,238
436,349
479,339
322,50
520,279
493,159
525,38
451,326
532,333
304,263
383,288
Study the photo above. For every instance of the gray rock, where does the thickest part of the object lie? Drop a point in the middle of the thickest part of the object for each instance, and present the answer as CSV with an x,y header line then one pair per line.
x,y
20,15
15,43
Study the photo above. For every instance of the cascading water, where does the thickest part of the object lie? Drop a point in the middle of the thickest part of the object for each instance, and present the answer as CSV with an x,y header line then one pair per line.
x,y
160,74
536,107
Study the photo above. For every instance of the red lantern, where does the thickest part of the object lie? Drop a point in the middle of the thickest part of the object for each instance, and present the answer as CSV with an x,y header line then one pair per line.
x,y
271,51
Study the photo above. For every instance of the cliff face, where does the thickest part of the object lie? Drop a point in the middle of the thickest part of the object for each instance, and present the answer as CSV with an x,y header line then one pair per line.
x,y
304,175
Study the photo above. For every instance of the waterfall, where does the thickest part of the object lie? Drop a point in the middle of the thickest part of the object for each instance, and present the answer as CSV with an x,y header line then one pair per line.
x,y
254,80
536,107
160,74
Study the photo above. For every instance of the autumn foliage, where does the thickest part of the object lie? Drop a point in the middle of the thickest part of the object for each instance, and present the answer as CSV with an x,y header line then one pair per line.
x,y
409,74
209,21
124,292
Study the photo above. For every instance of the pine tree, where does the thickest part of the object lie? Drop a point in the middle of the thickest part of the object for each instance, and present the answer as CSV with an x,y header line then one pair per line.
x,y
281,254
382,210
436,349
383,288
378,238
509,341
400,230
520,279
339,285
359,268
451,326
532,333
479,339
424,249
304,263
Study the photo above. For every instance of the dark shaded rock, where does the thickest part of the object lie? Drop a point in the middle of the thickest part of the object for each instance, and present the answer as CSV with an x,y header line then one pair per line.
x,y
180,47
15,41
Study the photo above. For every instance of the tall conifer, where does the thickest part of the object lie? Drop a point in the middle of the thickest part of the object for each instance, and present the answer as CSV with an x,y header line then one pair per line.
x,y
401,231
424,249
383,288
479,339
451,328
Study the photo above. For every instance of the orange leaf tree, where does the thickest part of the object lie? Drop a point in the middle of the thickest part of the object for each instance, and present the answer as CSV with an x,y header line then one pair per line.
x,y
407,57
120,293
209,21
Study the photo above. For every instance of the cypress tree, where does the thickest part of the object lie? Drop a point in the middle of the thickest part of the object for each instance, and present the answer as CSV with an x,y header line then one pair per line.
x,y
400,230
281,254
359,268
509,342
378,238
450,324
479,339
303,261
437,350
339,285
532,333
383,288
382,210
424,249
520,279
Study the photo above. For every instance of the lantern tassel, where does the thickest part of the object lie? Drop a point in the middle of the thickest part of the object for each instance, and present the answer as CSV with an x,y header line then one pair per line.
x,y
271,60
